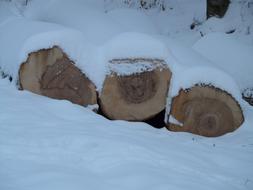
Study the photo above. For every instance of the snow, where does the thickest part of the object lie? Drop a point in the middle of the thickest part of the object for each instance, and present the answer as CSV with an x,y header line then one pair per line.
x,y
48,144
206,75
230,55
142,25
5,12
19,37
62,146
128,68
190,68
95,24
173,120
124,45
132,45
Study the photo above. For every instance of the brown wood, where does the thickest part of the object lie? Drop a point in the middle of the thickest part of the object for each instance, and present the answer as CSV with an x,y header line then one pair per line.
x,y
51,73
138,96
205,111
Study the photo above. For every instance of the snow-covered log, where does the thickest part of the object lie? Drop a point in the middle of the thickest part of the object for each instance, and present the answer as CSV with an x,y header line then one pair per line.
x,y
204,110
51,73
212,96
136,89
45,58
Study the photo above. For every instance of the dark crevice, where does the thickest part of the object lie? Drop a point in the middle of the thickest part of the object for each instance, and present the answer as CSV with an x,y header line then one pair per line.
x,y
217,8
157,121
230,31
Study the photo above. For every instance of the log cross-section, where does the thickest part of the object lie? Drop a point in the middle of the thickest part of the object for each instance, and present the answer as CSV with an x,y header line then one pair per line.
x,y
135,96
206,111
51,73
139,87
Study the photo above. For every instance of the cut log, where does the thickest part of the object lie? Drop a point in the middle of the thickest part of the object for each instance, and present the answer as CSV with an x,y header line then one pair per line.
x,y
51,73
137,95
206,111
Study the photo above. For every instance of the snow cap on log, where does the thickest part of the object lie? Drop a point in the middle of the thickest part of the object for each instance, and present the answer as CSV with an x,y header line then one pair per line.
x,y
19,37
6,12
126,45
45,59
230,55
137,78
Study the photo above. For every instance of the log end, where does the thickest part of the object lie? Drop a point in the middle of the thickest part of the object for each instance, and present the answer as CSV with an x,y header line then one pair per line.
x,y
205,111
135,97
51,73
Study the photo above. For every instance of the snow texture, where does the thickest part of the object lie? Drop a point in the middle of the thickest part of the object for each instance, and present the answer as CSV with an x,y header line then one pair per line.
x,y
48,144
143,24
62,146
190,68
126,69
230,55
94,23
124,45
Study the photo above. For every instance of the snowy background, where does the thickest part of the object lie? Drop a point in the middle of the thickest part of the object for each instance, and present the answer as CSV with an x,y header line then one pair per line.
x,y
48,144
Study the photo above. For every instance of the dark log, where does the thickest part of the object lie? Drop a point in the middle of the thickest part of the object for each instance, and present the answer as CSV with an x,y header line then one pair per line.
x,y
206,111
51,73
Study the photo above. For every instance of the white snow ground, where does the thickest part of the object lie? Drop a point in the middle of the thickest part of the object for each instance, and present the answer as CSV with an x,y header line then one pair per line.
x,y
48,144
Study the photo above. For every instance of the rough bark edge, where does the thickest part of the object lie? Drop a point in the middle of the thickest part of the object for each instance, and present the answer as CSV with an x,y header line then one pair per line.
x,y
219,90
18,83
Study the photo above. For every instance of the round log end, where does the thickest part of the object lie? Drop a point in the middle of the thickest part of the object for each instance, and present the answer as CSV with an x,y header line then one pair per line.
x,y
206,111
135,97
51,73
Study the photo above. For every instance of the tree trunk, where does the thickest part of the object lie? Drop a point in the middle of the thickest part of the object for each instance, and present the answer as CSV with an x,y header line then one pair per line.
x,y
217,8
135,96
206,111
51,73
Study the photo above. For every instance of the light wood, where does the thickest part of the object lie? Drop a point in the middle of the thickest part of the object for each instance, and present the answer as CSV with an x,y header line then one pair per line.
x,y
51,73
205,111
135,97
